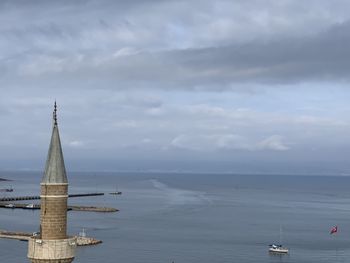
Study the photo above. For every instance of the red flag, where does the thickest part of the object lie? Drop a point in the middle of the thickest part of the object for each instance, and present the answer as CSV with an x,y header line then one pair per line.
x,y
334,230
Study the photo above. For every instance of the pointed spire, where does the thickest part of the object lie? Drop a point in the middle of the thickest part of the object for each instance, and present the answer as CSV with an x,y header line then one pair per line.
x,y
55,114
55,171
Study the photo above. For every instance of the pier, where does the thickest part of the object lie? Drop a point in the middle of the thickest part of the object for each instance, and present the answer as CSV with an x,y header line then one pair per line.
x,y
37,197
23,236
69,208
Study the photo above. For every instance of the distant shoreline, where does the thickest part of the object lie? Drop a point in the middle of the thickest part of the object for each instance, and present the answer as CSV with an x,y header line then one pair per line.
x,y
3,179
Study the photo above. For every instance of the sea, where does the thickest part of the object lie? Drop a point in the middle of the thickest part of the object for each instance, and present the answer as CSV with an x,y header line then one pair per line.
x,y
190,218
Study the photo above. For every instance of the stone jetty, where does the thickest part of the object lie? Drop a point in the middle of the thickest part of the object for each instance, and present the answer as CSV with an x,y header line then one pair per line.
x,y
24,236
69,208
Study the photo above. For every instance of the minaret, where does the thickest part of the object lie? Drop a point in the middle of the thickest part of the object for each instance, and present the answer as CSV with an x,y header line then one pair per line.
x,y
53,245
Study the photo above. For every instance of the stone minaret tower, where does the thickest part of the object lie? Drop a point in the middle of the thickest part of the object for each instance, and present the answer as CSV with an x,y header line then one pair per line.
x,y
53,245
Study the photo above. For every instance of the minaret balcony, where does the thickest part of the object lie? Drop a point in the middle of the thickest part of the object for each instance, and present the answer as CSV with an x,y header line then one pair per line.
x,y
59,249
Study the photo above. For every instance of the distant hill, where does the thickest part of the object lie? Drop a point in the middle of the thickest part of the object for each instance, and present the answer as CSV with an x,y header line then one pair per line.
x,y
3,179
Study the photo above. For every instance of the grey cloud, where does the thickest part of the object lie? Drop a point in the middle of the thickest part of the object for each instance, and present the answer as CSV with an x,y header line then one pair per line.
x,y
153,25
323,57
214,142
172,44
273,142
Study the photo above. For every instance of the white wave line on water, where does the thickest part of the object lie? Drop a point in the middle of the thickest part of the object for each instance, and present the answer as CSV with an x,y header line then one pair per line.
x,y
177,196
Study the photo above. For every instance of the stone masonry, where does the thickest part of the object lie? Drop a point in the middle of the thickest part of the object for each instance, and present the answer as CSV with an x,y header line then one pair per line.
x,y
54,211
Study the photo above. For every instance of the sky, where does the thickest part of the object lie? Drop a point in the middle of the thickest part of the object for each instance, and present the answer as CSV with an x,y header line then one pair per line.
x,y
244,86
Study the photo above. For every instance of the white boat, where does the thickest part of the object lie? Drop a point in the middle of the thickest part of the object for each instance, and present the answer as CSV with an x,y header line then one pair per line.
x,y
116,192
30,206
278,249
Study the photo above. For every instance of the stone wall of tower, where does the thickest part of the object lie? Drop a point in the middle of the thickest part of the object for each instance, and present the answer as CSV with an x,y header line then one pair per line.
x,y
54,211
54,251
69,260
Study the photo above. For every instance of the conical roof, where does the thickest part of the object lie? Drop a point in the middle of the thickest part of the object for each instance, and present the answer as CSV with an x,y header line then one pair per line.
x,y
55,171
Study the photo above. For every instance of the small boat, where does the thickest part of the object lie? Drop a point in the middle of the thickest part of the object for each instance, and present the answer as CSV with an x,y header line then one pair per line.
x,y
30,206
10,206
116,192
278,249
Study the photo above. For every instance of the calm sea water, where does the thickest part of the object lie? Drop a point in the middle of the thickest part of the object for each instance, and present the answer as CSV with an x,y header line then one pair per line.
x,y
197,217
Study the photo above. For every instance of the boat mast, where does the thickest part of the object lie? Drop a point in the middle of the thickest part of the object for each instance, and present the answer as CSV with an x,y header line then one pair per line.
x,y
280,234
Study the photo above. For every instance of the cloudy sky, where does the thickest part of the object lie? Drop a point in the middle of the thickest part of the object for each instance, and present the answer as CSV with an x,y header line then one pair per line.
x,y
230,86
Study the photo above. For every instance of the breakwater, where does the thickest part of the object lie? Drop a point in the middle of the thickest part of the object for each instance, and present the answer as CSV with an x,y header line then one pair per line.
x,y
37,197
69,208
23,236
